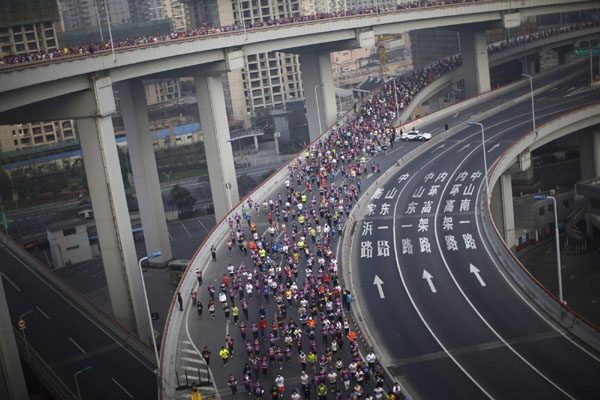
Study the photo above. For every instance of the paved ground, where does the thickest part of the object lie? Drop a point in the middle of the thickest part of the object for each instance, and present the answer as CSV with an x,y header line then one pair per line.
x,y
88,277
580,275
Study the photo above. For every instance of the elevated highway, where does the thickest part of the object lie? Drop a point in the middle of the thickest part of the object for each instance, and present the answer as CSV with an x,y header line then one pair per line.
x,y
458,316
28,83
517,361
65,333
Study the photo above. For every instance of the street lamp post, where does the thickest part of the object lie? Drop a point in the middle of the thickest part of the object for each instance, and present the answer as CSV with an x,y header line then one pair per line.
x,y
396,100
153,255
21,318
558,269
77,381
487,185
532,101
317,102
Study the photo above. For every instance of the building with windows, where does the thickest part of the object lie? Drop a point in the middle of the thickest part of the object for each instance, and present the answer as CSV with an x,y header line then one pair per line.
x,y
32,134
28,26
161,90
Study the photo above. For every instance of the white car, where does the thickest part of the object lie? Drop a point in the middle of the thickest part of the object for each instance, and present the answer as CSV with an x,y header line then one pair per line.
x,y
410,135
423,136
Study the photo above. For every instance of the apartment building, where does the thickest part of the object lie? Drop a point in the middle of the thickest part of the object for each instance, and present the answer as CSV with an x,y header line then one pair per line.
x,y
23,136
159,91
28,27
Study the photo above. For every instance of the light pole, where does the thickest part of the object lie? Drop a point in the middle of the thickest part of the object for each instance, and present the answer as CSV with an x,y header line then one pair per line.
x,y
317,102
77,382
153,255
560,291
532,102
21,318
487,185
99,25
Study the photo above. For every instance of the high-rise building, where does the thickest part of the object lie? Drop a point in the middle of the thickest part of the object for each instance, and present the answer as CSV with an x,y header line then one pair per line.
x,y
28,26
84,14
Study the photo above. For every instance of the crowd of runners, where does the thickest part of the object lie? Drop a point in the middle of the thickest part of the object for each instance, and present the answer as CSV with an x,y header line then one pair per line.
x,y
204,30
286,299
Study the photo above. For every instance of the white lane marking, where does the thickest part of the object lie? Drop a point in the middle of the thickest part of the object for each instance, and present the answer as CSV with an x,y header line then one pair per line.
x,y
466,146
11,282
203,226
412,301
76,345
460,289
429,278
406,225
186,230
464,221
192,360
378,282
170,236
456,114
474,270
493,147
122,388
441,146
42,312
190,351
383,227
518,292
77,309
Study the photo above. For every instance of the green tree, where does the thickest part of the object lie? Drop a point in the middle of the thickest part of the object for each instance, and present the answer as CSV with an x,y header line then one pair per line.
x,y
182,198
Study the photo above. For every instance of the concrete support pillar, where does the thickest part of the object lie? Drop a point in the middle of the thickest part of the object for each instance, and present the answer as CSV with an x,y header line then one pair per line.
x,y
503,211
145,172
475,62
12,380
101,161
316,71
219,156
256,142
589,151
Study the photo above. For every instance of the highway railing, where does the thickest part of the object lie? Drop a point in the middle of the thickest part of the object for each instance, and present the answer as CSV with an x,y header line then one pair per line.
x,y
103,320
240,29
57,386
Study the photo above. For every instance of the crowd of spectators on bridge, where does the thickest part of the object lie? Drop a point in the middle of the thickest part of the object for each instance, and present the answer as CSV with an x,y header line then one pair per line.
x,y
542,34
286,297
204,31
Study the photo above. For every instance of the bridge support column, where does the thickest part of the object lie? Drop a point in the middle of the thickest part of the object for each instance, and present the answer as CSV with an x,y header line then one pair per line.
x,y
107,194
219,156
475,62
502,209
589,151
143,167
12,380
316,71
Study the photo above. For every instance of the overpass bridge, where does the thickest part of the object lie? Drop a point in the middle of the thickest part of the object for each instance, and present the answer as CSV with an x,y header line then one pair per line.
x,y
81,88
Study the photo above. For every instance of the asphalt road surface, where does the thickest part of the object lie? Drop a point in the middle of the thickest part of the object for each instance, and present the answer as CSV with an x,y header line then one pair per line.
x,y
446,317
68,341
428,367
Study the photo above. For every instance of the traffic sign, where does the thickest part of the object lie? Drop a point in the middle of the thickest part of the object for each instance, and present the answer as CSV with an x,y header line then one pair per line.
x,y
21,324
585,51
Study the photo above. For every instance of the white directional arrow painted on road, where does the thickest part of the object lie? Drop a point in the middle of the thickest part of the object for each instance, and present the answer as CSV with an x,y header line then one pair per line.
x,y
493,147
441,146
466,146
429,277
474,270
379,282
